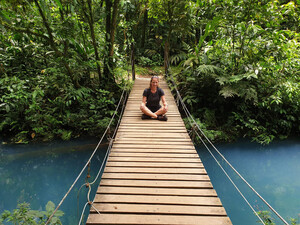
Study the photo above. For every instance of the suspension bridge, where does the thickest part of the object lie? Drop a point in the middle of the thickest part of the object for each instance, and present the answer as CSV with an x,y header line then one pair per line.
x,y
153,173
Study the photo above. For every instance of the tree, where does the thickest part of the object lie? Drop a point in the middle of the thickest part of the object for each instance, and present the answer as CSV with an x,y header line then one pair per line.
x,y
173,18
111,10
88,12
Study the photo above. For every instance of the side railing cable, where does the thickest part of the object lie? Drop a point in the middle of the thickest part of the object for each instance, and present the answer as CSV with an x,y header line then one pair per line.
x,y
102,165
193,123
124,93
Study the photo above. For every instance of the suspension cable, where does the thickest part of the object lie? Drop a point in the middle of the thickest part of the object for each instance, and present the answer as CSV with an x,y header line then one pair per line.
x,y
233,183
105,157
89,160
102,164
194,122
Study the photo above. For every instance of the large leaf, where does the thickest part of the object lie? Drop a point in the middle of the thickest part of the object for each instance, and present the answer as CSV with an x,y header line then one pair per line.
x,y
59,4
50,206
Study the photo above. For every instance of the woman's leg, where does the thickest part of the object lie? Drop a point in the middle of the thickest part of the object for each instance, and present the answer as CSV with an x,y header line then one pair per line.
x,y
161,111
147,111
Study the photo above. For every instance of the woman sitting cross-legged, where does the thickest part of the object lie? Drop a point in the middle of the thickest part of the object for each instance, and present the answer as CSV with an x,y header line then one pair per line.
x,y
150,104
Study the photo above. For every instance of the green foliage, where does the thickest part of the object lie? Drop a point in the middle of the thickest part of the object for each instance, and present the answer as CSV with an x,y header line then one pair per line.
x,y
142,70
265,216
268,220
144,61
155,61
243,69
41,110
209,131
24,215
50,82
238,68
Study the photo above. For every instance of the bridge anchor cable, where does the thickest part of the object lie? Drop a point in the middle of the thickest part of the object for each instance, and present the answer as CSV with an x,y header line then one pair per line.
x,y
124,93
194,123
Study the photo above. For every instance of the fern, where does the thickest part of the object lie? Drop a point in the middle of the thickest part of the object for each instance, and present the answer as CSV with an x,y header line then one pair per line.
x,y
228,91
191,61
175,59
208,70
251,94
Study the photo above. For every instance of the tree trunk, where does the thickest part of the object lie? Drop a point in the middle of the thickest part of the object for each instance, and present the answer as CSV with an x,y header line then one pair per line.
x,y
144,28
111,25
106,70
91,25
53,45
166,56
132,61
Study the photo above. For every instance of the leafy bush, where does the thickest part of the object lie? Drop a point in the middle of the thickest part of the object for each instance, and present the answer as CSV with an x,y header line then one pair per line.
x,y
249,89
145,61
24,215
268,220
39,109
154,60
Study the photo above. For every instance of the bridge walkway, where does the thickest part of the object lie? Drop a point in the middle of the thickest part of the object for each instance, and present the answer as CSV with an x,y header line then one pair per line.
x,y
154,174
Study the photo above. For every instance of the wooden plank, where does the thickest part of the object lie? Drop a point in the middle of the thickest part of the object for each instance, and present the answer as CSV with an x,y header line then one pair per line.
x,y
153,159
157,191
106,218
152,135
149,176
135,116
150,126
160,139
109,169
155,165
164,200
161,209
148,122
149,155
157,132
187,146
152,150
153,129
153,142
156,183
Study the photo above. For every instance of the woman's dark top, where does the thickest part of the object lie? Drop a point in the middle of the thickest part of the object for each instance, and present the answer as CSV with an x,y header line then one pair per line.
x,y
153,99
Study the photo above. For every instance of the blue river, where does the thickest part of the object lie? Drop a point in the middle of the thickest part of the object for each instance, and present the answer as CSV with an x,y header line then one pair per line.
x,y
38,173
273,171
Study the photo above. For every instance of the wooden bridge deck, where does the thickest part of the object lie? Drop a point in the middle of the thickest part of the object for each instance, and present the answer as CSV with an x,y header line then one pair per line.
x,y
154,174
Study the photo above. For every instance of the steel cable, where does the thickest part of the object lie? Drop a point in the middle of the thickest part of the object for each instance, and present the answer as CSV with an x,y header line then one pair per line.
x,y
103,162
92,155
188,114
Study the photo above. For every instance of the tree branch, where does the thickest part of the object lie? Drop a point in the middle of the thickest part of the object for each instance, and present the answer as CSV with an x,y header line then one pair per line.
x,y
51,39
25,30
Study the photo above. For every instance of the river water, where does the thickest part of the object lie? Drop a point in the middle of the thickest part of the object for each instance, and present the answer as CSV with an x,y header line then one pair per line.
x,y
38,173
273,171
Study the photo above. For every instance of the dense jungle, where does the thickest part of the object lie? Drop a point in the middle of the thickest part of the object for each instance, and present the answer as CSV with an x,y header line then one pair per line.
x,y
64,63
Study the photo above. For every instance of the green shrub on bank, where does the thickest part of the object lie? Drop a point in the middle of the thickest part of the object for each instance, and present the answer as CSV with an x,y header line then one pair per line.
x,y
24,215
268,220
41,108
